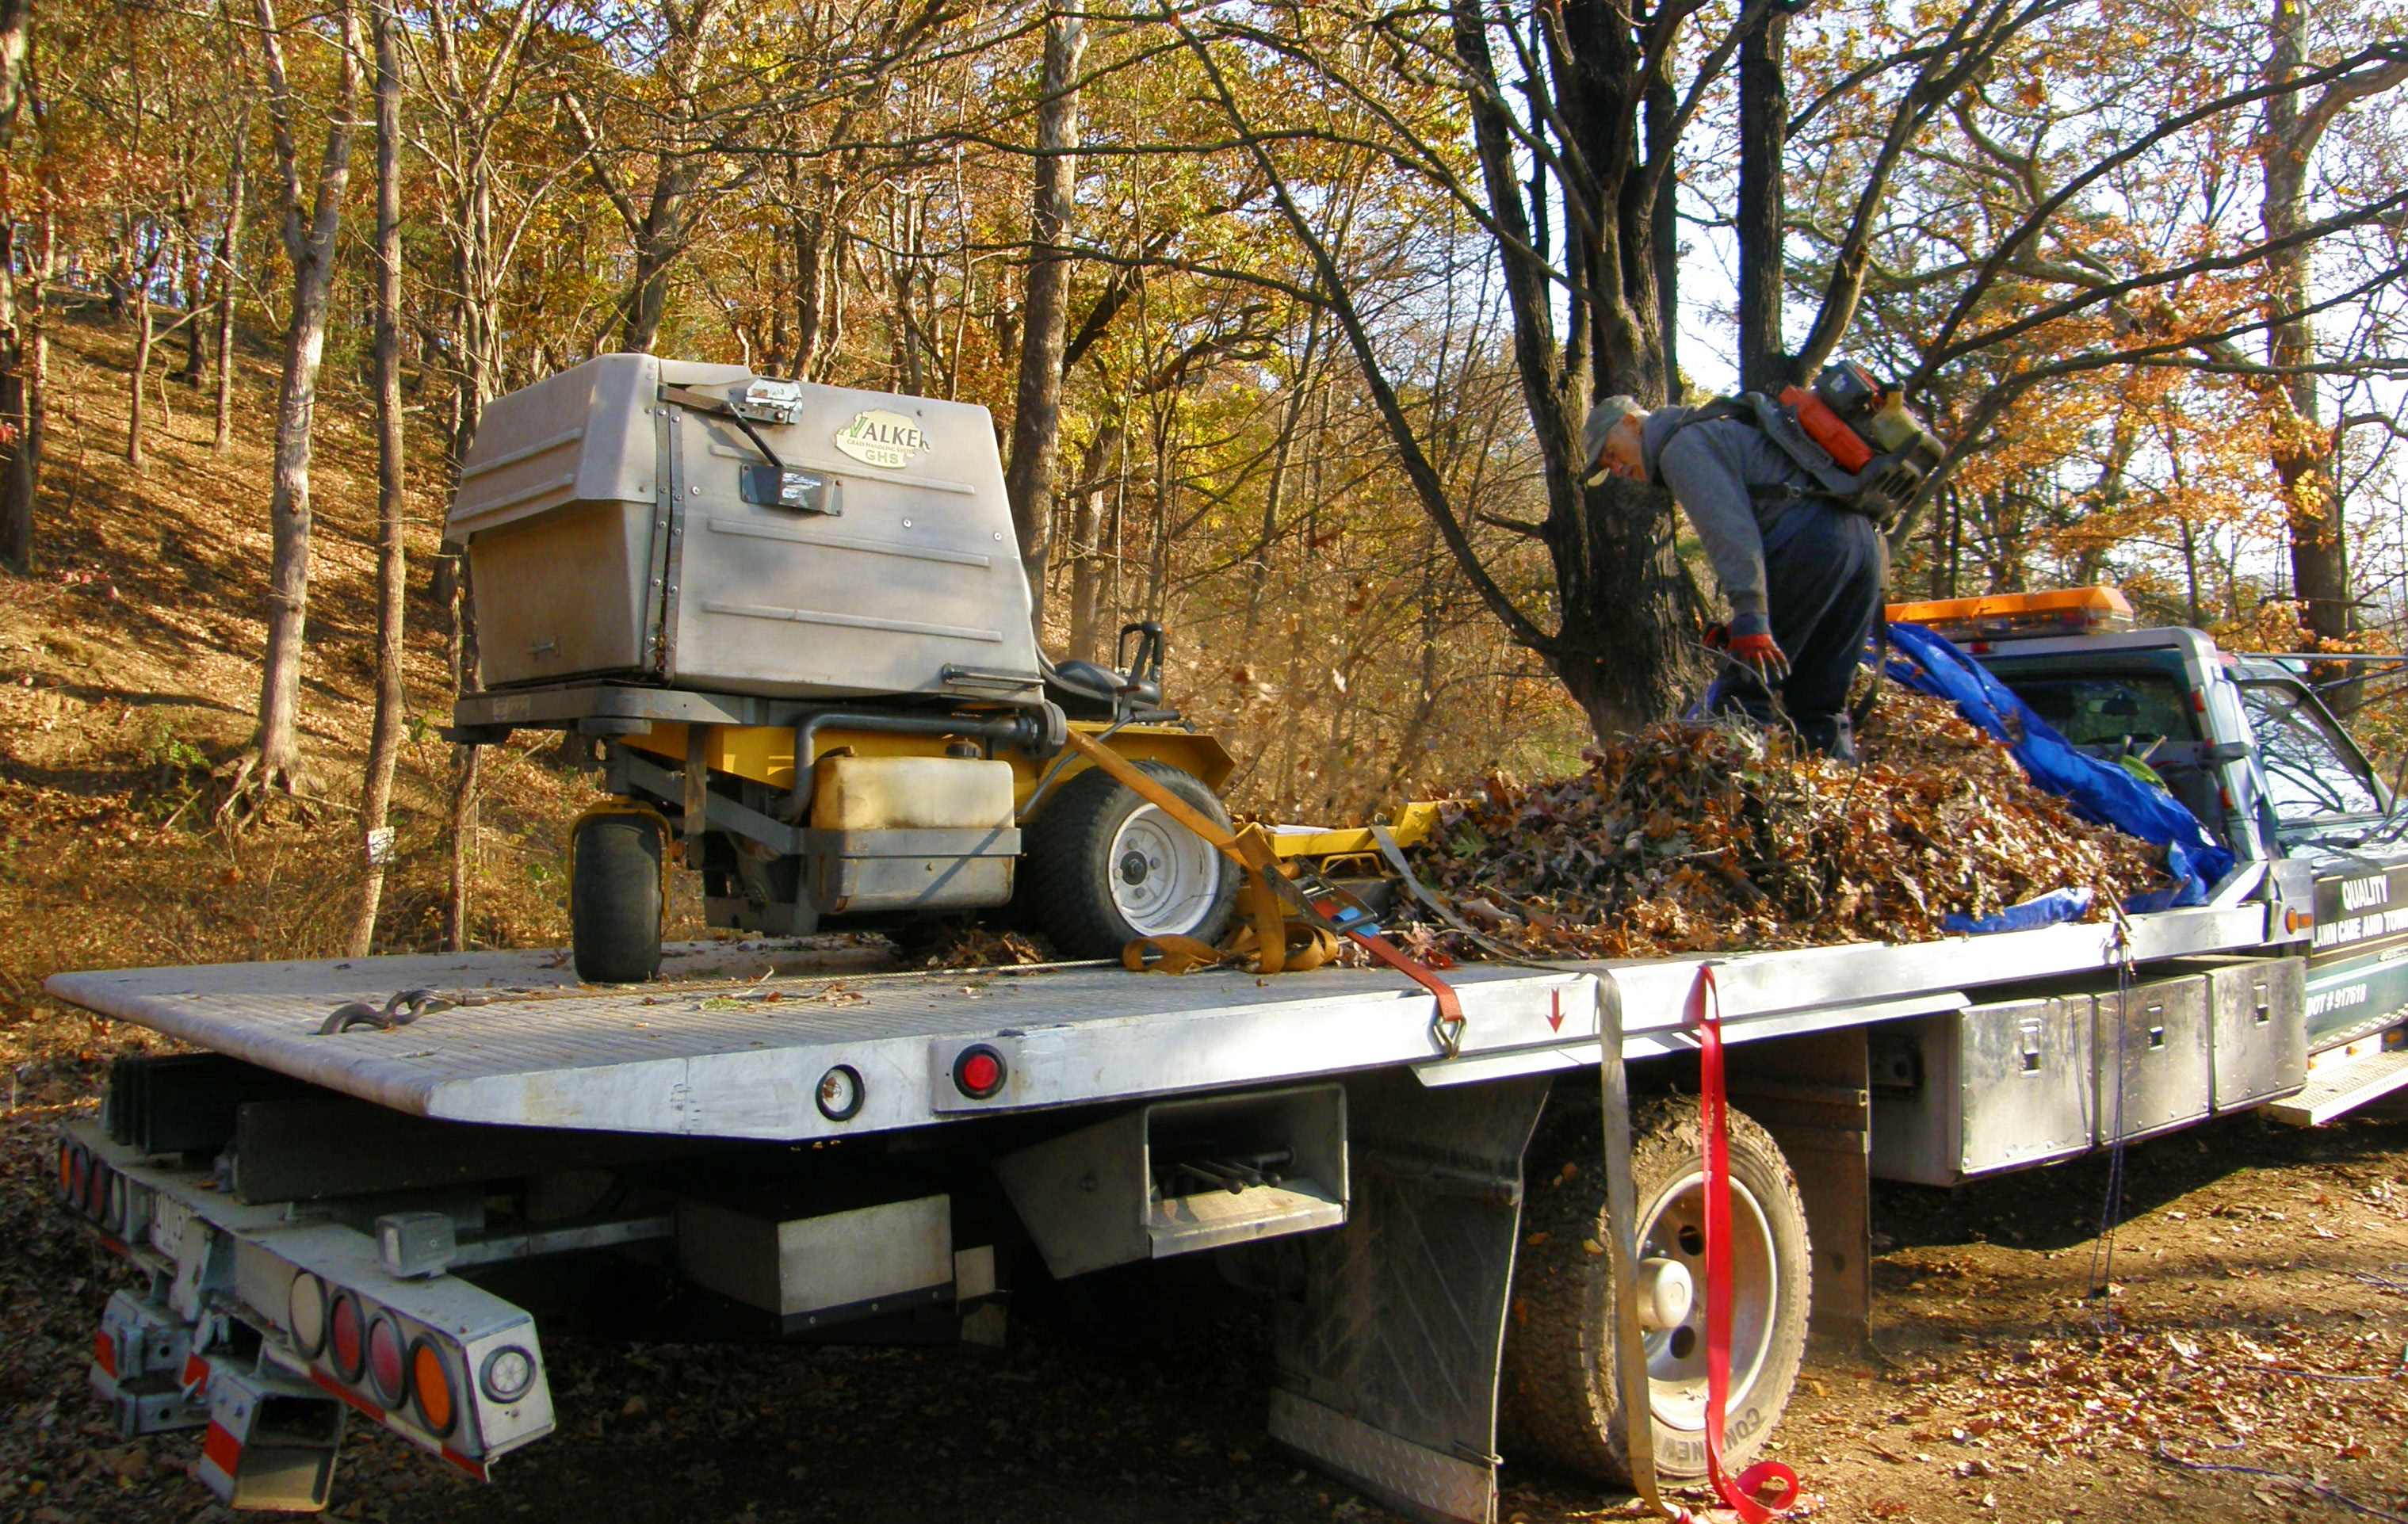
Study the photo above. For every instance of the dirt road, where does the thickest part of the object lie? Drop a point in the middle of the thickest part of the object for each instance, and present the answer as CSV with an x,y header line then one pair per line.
x,y
2260,1308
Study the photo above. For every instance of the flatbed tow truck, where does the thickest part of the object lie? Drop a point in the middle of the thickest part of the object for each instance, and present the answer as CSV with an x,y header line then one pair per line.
x,y
360,1193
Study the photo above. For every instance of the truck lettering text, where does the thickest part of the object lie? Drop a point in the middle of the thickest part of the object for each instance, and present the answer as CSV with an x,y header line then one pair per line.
x,y
2334,934
2359,893
2325,1001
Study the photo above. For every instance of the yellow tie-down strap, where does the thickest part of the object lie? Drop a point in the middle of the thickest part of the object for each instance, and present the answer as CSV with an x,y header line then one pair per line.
x,y
1282,931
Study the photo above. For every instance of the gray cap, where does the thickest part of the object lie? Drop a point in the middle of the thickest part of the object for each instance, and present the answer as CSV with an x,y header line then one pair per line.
x,y
1603,415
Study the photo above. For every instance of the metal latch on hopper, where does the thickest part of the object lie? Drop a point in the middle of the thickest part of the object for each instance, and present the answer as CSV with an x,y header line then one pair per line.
x,y
776,485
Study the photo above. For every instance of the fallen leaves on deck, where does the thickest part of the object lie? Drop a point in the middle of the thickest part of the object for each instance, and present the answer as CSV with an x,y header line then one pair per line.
x,y
1700,838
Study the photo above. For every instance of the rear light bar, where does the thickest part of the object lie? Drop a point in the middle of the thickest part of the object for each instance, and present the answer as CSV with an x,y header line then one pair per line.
x,y
444,1364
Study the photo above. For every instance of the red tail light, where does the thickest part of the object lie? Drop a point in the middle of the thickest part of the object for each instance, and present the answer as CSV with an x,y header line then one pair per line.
x,y
979,1072
348,1335
388,1361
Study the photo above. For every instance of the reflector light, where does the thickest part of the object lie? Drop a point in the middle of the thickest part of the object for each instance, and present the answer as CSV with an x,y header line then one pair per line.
x,y
979,1072
306,1315
430,1384
2020,615
388,1361
95,1186
112,1215
840,1093
70,1170
346,1337
508,1372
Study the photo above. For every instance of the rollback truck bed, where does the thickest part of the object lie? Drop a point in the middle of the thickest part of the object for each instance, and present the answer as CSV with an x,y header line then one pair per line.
x,y
350,1226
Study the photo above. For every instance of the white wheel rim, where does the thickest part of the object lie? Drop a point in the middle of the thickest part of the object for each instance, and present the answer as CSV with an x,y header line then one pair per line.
x,y
1676,1357
1163,877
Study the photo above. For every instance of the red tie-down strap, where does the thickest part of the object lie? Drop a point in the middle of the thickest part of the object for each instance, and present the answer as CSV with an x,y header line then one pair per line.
x,y
1742,1497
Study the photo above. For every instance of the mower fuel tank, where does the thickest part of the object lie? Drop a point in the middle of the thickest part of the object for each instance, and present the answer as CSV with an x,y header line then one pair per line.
x,y
703,528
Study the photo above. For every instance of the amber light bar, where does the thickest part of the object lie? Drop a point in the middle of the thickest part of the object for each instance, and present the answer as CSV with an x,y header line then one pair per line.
x,y
2020,615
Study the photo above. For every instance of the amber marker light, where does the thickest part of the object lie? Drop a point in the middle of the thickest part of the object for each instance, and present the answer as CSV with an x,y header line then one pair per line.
x,y
430,1382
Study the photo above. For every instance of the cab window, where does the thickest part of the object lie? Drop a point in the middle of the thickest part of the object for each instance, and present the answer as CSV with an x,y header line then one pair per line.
x,y
2314,774
2102,710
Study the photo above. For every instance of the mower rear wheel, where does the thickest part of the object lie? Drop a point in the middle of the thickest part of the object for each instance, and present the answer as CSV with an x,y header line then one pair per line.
x,y
615,897
1104,867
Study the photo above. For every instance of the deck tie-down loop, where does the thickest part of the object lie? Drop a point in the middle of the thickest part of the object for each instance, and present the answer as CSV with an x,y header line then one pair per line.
x,y
1283,930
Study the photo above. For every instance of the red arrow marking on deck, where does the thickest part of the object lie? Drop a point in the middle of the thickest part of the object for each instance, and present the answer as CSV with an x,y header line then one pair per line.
x,y
1555,1016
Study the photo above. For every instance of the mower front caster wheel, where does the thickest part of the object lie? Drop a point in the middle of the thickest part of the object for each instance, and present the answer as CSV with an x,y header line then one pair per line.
x,y
615,897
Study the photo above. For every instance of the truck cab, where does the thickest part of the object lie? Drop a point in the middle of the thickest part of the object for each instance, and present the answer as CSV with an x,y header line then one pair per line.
x,y
2246,743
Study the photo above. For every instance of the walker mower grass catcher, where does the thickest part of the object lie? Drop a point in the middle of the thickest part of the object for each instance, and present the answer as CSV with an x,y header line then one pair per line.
x,y
794,617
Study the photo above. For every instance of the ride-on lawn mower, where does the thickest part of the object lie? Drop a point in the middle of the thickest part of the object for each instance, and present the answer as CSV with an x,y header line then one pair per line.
x,y
795,616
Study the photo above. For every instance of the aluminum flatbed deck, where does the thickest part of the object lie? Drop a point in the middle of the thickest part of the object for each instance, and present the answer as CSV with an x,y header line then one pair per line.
x,y
735,1048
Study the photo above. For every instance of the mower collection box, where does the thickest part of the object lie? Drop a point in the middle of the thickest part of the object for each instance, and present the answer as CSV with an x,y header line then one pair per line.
x,y
697,527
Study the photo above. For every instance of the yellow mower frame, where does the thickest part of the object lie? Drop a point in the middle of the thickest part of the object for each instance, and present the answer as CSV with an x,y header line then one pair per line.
x,y
765,753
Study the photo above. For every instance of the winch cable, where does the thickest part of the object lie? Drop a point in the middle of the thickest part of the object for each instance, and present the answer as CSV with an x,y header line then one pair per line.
x,y
2111,1211
1436,904
1277,910
1713,1113
1633,1390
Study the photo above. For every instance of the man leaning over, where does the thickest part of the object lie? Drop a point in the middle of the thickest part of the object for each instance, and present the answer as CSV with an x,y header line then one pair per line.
x,y
1802,572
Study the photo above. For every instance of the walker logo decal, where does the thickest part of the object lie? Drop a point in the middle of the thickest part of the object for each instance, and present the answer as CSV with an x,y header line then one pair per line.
x,y
2359,913
883,439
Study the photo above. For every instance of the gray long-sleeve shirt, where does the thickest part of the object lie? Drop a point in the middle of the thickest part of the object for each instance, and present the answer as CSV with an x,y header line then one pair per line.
x,y
1709,469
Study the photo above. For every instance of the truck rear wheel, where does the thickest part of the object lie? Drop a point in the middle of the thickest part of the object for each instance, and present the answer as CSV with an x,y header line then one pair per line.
x,y
1558,1403
1104,867
615,897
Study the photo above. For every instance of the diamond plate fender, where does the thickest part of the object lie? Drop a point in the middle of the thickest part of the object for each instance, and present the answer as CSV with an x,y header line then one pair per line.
x,y
1388,1357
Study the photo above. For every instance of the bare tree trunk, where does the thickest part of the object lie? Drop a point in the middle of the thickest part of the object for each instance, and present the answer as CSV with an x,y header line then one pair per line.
x,y
310,246
137,281
466,767
384,734
1301,393
229,263
816,232
1038,407
1087,542
1763,122
21,417
2299,452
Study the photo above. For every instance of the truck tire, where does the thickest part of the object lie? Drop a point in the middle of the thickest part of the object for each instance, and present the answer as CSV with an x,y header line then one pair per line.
x,y
614,898
1558,1403
1103,867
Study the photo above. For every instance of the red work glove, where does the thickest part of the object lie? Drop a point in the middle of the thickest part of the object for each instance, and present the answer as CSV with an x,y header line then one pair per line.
x,y
1762,655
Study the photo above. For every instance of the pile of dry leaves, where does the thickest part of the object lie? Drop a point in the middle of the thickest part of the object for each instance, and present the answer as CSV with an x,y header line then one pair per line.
x,y
1704,838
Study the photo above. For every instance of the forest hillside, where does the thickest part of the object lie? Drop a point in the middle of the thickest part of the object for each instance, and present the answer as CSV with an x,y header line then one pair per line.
x,y
129,674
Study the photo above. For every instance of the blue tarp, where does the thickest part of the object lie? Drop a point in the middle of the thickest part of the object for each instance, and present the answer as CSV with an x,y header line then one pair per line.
x,y
2040,910
2099,790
